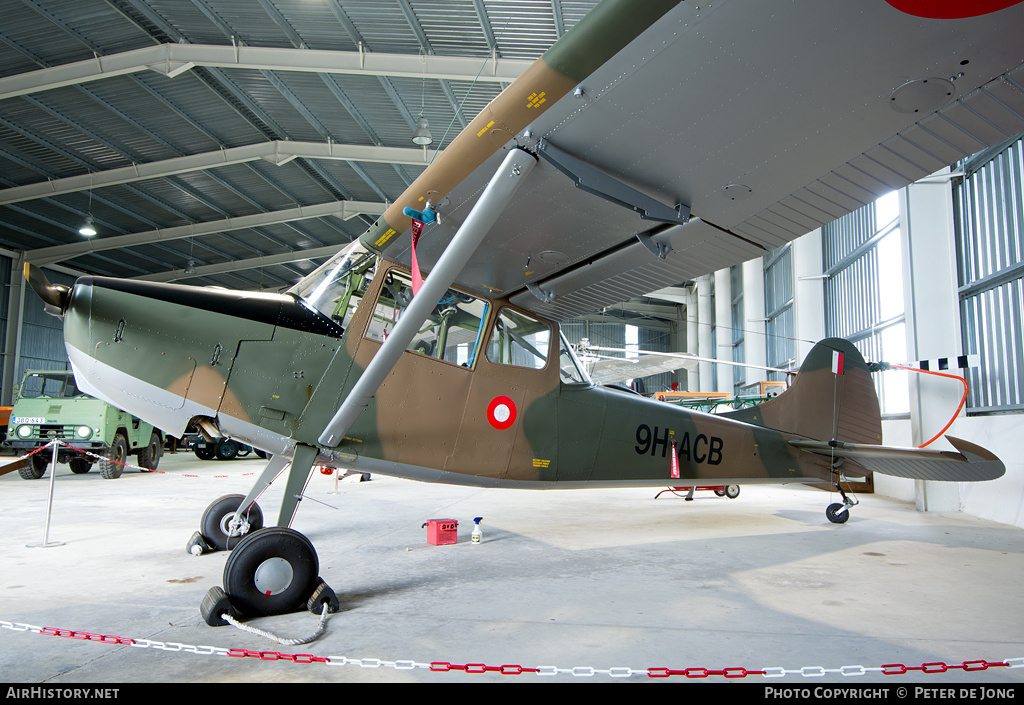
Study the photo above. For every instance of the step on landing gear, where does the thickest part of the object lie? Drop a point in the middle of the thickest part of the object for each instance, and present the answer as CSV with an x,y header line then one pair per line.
x,y
273,571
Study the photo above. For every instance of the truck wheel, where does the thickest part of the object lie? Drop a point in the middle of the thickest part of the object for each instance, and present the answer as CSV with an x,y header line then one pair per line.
x,y
112,464
149,457
35,469
79,466
204,452
227,449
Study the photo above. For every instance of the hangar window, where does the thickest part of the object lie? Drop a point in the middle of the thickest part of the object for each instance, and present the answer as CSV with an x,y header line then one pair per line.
x,y
779,310
451,331
863,262
520,340
989,219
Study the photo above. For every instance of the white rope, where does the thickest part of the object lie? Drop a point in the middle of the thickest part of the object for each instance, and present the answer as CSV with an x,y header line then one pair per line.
x,y
284,642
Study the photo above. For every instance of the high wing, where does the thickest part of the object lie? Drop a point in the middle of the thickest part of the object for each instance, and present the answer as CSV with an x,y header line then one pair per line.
x,y
737,126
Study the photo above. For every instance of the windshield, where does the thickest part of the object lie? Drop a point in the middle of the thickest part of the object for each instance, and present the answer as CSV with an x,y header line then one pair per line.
x,y
572,372
337,287
52,385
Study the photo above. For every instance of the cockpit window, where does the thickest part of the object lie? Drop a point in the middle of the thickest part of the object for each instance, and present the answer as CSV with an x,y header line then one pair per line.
x,y
451,331
336,288
520,340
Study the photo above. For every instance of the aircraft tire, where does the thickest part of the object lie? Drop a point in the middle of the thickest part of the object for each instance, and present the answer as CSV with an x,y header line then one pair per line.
x,y
274,571
214,523
833,516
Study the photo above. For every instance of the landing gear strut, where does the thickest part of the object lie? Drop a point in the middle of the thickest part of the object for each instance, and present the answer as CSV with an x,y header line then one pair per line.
x,y
270,570
839,513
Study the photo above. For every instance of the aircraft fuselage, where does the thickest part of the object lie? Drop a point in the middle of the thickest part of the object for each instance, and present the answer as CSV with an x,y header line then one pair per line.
x,y
486,398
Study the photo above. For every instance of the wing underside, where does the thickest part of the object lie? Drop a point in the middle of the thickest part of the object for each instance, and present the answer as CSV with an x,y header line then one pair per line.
x,y
763,120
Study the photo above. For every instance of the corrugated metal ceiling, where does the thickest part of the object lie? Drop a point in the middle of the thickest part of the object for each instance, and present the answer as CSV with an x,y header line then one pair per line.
x,y
89,127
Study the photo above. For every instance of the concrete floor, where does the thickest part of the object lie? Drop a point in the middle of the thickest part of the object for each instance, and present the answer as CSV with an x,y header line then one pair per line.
x,y
596,579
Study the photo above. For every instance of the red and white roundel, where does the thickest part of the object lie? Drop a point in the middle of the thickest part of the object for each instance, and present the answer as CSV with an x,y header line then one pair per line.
x,y
501,413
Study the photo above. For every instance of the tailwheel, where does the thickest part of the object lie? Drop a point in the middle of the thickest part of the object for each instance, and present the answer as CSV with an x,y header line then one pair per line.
x,y
216,524
837,513
274,571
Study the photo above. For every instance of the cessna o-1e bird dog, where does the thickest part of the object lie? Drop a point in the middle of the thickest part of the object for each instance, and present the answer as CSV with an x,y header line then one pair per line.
x,y
655,142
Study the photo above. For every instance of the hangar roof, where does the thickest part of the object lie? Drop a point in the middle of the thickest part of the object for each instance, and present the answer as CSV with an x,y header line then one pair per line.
x,y
252,137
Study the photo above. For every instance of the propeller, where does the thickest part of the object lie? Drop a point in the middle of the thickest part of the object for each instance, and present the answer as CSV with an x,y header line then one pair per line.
x,y
55,296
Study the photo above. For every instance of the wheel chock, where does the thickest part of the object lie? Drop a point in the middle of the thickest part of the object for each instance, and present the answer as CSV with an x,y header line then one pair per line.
x,y
323,595
197,545
215,605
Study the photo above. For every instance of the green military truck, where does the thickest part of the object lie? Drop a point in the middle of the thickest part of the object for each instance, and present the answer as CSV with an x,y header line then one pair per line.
x,y
50,405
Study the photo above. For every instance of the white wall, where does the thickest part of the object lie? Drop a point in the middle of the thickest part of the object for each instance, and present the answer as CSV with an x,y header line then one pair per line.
x,y
1000,500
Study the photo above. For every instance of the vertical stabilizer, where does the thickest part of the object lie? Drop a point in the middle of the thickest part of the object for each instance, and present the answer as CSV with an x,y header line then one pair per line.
x,y
832,398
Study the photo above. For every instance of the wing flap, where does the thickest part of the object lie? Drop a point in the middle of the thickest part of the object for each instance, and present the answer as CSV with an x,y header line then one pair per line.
x,y
969,463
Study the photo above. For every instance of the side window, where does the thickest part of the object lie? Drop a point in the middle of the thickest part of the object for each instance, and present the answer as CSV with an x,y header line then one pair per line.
x,y
519,340
451,331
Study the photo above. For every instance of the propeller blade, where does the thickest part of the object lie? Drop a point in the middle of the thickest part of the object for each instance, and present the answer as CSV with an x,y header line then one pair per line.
x,y
55,296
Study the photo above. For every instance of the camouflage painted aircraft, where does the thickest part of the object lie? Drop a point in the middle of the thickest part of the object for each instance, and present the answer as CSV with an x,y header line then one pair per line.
x,y
656,142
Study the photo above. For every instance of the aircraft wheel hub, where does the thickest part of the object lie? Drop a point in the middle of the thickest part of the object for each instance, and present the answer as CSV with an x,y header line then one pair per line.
x,y
273,576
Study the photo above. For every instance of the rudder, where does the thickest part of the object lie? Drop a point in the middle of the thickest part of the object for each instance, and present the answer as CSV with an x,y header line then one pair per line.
x,y
822,404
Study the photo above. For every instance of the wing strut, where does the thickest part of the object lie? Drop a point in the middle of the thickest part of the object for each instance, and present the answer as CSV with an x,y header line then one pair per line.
x,y
502,186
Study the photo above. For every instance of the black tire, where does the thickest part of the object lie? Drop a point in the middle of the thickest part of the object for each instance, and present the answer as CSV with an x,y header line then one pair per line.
x,y
80,465
214,524
271,572
833,516
732,491
204,452
149,457
112,464
227,449
35,469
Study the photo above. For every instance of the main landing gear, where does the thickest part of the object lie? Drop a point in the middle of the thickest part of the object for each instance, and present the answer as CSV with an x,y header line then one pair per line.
x,y
273,570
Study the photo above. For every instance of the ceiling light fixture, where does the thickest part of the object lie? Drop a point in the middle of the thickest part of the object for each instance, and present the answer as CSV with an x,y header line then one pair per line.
x,y
422,134
87,229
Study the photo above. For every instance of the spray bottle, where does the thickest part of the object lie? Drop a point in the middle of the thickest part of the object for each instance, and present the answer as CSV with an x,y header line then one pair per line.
x,y
477,533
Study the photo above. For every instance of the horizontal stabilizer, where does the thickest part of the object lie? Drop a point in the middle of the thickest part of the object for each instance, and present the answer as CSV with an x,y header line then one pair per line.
x,y
969,463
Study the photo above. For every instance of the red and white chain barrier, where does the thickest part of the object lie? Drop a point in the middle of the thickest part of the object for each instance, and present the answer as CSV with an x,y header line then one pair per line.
x,y
890,669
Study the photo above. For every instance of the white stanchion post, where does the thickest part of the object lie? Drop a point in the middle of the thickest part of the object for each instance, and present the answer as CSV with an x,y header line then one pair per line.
x,y
49,505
